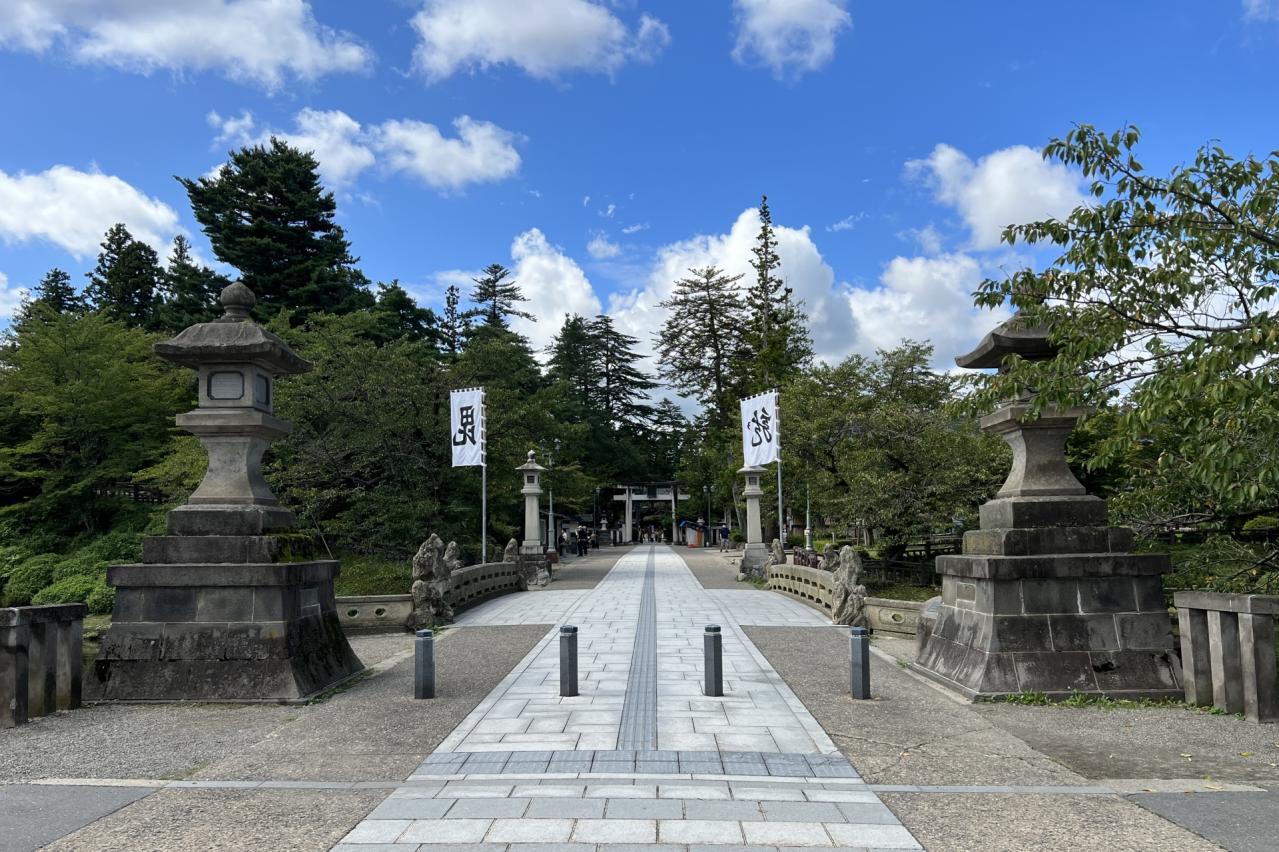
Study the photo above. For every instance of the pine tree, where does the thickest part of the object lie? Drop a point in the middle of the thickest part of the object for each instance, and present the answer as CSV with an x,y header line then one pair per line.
x,y
622,388
53,296
574,354
267,214
699,344
193,289
776,340
399,317
498,297
455,328
128,283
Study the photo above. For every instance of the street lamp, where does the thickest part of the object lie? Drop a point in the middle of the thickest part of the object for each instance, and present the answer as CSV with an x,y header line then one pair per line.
x,y
551,541
595,516
706,539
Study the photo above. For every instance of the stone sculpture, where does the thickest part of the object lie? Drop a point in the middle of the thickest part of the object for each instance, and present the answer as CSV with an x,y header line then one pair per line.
x,y
432,572
830,558
849,605
512,551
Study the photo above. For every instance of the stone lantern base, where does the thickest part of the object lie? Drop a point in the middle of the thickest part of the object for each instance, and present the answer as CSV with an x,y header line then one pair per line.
x,y
213,617
754,555
1035,606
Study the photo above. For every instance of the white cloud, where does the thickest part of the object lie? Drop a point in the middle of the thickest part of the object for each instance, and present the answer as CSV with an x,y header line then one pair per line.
x,y
586,200
482,152
554,285
788,36
545,39
10,298
258,41
1009,186
925,299
928,238
847,223
601,249
1261,10
73,209
803,268
636,228
608,211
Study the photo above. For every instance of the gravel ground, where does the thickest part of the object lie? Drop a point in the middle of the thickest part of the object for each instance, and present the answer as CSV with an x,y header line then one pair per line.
x,y
278,820
372,730
712,568
1006,823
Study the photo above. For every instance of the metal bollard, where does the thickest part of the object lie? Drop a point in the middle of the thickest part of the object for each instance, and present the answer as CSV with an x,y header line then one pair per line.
x,y
568,661
859,662
713,661
424,664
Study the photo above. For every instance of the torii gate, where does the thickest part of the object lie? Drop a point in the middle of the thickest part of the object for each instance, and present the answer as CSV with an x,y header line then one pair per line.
x,y
648,492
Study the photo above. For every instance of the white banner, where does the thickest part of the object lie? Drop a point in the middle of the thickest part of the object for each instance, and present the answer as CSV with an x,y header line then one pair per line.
x,y
761,442
466,422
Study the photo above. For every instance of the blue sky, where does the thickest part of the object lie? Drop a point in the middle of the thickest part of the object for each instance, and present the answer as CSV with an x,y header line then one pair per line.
x,y
600,148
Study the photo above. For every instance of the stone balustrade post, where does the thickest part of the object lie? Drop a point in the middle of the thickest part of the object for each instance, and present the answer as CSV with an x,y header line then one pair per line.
x,y
1228,652
40,661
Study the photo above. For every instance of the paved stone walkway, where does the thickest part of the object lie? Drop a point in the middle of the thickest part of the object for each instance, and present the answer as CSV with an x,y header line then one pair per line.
x,y
640,758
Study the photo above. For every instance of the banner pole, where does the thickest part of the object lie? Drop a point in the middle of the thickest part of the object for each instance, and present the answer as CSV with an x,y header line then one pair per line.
x,y
484,513
777,421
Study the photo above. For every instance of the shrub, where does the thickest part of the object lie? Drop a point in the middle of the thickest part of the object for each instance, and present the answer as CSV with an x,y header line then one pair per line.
x,y
1261,522
373,575
101,599
736,535
795,540
67,590
30,577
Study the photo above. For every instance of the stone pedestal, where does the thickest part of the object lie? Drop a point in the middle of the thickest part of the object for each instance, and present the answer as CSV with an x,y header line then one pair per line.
x,y
210,614
755,554
1046,596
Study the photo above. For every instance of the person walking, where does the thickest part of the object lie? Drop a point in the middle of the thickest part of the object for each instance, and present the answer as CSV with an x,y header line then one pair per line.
x,y
723,537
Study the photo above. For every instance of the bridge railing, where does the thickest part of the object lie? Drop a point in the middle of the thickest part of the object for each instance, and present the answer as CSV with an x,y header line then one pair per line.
x,y
41,654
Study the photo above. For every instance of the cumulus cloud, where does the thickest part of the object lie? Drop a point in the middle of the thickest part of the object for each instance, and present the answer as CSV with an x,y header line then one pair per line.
x,y
804,269
10,298
789,37
1009,186
480,152
257,41
545,39
554,285
601,249
73,209
922,298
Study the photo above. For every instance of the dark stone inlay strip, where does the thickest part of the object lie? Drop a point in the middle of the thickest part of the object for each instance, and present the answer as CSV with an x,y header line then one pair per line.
x,y
763,764
638,728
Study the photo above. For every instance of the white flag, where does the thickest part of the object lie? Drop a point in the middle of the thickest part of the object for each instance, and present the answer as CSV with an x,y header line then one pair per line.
x,y
760,439
466,421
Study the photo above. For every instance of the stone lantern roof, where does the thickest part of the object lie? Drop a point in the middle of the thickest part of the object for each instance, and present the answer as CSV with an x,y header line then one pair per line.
x,y
232,338
1010,338
531,465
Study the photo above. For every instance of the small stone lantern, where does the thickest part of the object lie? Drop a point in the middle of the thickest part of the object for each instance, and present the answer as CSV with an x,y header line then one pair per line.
x,y
755,553
531,472
210,614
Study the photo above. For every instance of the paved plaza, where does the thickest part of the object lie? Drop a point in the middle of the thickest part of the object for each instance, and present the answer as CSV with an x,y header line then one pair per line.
x,y
640,759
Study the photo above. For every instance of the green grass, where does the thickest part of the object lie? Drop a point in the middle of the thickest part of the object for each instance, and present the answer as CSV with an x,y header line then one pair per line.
x,y
903,592
373,575
1084,699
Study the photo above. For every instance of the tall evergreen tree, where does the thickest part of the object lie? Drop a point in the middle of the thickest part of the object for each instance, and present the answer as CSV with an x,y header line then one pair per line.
x,y
455,327
776,338
193,289
399,317
267,214
53,296
128,282
497,298
699,344
622,388
574,354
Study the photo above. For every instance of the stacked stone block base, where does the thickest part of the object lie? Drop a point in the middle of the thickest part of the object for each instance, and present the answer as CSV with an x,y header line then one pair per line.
x,y
223,631
1058,610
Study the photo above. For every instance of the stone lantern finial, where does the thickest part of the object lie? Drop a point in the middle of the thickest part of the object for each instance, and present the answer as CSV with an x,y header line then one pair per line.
x,y
238,300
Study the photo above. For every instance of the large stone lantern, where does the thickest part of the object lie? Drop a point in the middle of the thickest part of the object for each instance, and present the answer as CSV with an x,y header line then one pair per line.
x,y
1046,596
211,614
532,472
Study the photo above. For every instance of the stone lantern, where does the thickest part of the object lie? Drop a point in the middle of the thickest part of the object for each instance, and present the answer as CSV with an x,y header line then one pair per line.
x,y
755,553
210,614
531,472
1046,596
